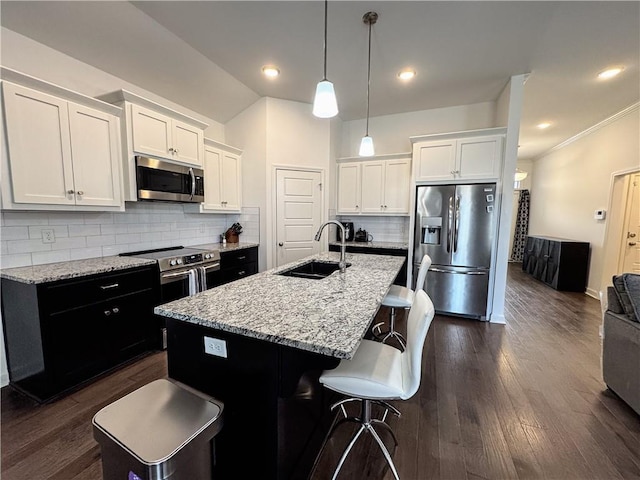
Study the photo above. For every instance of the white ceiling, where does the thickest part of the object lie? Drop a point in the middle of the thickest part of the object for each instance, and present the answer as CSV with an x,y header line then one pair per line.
x,y
207,55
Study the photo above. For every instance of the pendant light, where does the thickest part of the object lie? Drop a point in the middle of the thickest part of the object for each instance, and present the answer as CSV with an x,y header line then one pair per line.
x,y
325,104
366,145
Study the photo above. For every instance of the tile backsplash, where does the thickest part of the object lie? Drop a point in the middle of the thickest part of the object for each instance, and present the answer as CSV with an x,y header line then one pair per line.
x,y
383,229
34,238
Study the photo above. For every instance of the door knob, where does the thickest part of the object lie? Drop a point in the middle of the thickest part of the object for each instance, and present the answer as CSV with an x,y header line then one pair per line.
x,y
280,244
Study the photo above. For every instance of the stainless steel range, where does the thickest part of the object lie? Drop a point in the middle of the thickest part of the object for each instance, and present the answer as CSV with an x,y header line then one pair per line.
x,y
182,272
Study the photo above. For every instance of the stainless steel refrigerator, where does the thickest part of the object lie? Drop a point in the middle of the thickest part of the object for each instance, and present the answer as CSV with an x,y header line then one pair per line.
x,y
455,226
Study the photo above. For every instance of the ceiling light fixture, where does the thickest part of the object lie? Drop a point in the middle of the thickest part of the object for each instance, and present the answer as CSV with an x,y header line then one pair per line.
x,y
366,145
325,104
271,71
406,74
543,125
610,73
520,175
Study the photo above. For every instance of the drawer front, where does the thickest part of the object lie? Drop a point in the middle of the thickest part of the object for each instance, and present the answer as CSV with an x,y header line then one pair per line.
x,y
238,257
236,273
85,291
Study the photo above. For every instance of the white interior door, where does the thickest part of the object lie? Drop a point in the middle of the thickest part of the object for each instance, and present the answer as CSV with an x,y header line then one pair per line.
x,y
630,255
298,214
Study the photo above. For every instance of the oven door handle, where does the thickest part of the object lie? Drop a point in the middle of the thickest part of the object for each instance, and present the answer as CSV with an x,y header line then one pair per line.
x,y
202,270
176,275
215,266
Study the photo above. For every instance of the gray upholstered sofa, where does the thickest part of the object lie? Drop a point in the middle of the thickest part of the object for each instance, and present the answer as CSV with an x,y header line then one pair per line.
x,y
621,342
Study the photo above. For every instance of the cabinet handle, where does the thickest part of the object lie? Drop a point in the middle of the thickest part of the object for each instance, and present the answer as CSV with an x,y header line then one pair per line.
x,y
453,172
109,287
107,313
242,257
631,244
115,310
241,272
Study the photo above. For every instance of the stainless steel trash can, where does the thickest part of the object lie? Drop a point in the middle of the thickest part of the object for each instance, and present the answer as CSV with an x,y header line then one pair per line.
x,y
161,431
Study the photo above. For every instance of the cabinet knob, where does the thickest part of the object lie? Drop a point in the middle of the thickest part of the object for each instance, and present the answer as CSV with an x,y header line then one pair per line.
x,y
70,192
107,313
280,244
115,310
381,206
385,206
80,192
632,244
175,150
171,151
241,272
357,206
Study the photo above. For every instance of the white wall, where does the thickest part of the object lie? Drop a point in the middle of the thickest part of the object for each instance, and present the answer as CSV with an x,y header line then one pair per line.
x,y
248,131
391,132
571,182
36,59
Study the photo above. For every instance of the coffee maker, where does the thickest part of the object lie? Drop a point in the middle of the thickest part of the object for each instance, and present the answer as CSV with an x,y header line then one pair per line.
x,y
348,231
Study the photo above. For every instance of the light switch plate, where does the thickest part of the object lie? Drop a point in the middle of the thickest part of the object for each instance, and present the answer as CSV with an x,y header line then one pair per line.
x,y
215,346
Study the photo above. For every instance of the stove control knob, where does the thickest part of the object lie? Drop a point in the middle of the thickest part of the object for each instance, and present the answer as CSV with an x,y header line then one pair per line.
x,y
179,261
207,255
172,263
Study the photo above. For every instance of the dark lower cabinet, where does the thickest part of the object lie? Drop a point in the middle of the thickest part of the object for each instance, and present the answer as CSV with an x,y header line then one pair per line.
x,y
60,334
560,263
276,412
238,264
401,279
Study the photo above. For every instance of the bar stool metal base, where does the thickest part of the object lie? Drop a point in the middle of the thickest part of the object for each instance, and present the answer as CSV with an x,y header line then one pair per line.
x,y
366,425
384,335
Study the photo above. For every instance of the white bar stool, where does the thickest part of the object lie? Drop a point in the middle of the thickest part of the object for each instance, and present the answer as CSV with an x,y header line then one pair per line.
x,y
400,297
378,373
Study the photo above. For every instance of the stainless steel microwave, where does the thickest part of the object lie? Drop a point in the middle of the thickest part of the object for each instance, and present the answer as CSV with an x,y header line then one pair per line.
x,y
159,180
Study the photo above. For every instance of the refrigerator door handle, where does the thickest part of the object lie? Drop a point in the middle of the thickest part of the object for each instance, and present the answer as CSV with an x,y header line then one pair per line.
x,y
440,270
457,224
450,225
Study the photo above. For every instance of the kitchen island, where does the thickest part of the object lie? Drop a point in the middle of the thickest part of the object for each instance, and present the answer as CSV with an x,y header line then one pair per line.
x,y
277,334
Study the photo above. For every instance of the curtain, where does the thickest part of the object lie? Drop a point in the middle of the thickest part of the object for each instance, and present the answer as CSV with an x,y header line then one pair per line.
x,y
522,227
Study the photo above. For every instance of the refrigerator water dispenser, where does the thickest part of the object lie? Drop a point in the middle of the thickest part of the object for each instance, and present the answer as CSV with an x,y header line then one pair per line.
x,y
431,230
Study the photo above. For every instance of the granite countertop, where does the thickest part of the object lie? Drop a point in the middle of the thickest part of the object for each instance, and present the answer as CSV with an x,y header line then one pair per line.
x,y
53,272
229,247
393,245
328,316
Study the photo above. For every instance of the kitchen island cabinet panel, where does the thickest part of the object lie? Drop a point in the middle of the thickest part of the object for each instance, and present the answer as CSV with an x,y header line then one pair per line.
x,y
270,393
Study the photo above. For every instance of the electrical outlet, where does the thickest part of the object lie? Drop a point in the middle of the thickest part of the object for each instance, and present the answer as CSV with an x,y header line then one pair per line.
x,y
215,346
48,236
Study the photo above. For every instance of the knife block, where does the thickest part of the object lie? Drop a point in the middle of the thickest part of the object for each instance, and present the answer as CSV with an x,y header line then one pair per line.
x,y
232,237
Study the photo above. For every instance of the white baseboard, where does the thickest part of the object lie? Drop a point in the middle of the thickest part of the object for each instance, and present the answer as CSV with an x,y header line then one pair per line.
x,y
499,319
593,293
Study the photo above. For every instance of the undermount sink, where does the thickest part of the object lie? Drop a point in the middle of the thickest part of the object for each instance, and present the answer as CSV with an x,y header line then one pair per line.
x,y
313,269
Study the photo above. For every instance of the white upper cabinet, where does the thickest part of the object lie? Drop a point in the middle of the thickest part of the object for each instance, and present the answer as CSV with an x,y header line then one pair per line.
x,y
468,158
349,183
375,187
222,178
161,136
157,131
61,154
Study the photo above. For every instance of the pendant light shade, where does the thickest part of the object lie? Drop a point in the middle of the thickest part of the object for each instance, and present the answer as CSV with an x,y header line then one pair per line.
x,y
366,145
325,104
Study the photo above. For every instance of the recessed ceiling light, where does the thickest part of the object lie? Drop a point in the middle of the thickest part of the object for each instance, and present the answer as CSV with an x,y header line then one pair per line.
x,y
610,73
271,70
407,74
543,125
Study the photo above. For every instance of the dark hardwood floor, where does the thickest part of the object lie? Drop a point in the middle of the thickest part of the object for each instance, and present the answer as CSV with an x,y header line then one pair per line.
x,y
525,400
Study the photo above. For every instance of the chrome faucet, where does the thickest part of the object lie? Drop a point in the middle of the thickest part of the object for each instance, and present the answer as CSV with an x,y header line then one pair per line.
x,y
343,246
